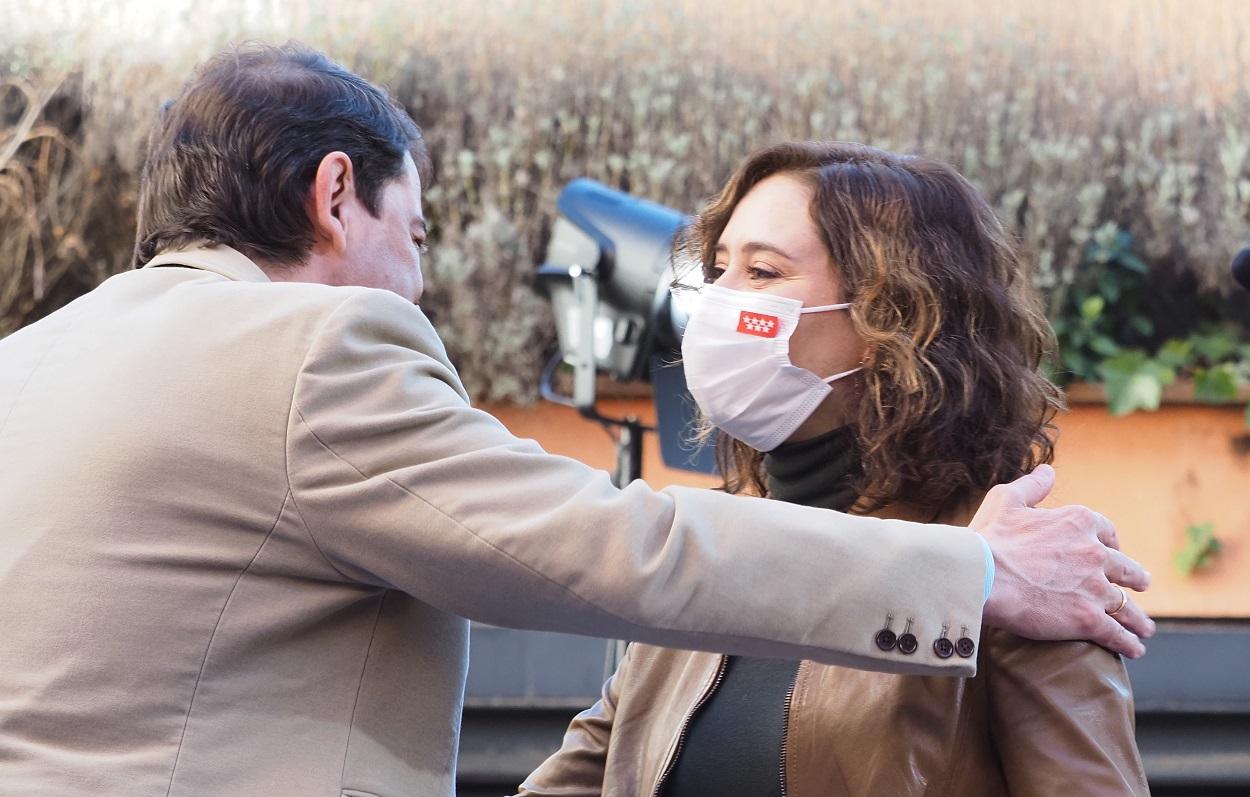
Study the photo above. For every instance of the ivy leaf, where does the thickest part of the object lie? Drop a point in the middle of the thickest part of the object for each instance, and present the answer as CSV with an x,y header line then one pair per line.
x,y
1140,391
1216,385
1134,382
1200,547
1215,345
1101,344
1176,353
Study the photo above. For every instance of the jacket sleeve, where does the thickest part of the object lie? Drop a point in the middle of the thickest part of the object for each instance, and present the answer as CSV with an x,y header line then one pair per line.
x,y
577,768
1061,715
402,484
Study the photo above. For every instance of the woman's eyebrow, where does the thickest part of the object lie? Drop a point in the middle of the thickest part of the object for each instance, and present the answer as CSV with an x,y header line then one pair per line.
x,y
751,247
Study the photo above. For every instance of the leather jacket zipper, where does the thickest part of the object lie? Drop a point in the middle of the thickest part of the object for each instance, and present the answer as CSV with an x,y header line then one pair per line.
x,y
685,725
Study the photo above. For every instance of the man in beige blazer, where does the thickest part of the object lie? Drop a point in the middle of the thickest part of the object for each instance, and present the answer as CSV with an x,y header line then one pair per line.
x,y
245,505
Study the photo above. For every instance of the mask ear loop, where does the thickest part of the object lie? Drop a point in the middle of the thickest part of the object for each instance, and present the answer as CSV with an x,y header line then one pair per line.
x,y
825,308
829,380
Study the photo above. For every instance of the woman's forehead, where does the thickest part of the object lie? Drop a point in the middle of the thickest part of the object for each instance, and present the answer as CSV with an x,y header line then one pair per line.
x,y
776,211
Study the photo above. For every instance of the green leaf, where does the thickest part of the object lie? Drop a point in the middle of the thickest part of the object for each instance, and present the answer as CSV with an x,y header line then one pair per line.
x,y
1134,382
1075,362
1101,344
1215,345
1125,363
1109,286
1142,325
1185,560
1217,385
1140,391
1176,353
1092,307
1200,547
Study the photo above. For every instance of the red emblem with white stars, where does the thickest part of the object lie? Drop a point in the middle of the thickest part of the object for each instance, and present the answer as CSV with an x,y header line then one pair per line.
x,y
758,324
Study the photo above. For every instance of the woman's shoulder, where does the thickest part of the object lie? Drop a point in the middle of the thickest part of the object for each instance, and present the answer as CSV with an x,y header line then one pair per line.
x,y
649,662
1064,664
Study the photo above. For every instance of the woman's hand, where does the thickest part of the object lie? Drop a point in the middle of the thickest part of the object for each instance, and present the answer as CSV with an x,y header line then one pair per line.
x,y
1057,570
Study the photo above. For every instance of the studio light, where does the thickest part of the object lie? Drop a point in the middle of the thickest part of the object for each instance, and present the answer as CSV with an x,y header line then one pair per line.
x,y
608,273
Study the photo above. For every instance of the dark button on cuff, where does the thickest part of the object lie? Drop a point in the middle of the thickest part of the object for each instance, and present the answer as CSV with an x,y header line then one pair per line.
x,y
965,647
907,644
944,648
885,639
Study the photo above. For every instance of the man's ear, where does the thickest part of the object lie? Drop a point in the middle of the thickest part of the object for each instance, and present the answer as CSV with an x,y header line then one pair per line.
x,y
334,187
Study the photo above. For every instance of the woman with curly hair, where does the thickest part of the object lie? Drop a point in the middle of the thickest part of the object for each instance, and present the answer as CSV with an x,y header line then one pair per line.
x,y
867,341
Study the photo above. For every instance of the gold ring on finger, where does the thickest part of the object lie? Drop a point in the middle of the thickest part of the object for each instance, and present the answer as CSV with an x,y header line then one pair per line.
x,y
1123,602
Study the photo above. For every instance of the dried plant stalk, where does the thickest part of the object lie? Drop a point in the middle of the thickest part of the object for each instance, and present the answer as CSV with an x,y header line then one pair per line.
x,y
1124,111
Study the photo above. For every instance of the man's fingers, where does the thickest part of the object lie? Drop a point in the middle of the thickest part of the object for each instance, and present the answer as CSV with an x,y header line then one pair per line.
x,y
1115,637
1123,570
1130,615
1105,530
1032,488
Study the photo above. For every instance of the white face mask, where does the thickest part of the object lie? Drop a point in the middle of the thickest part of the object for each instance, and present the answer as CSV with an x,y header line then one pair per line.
x,y
736,354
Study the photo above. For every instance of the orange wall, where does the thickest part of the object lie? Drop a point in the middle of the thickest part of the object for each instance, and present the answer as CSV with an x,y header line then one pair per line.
x,y
1152,474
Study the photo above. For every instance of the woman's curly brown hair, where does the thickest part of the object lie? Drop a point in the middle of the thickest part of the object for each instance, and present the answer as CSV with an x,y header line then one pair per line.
x,y
954,402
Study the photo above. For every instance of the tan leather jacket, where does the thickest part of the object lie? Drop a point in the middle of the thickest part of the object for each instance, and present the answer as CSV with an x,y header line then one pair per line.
x,y
1038,719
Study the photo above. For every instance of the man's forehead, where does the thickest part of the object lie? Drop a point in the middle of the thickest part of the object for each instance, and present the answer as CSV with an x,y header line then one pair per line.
x,y
409,183
412,177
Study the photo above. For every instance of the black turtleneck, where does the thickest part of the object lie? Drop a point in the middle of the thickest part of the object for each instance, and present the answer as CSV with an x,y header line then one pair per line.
x,y
817,472
733,743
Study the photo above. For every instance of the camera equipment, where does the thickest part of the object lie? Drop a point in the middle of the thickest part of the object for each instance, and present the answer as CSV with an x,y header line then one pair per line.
x,y
608,273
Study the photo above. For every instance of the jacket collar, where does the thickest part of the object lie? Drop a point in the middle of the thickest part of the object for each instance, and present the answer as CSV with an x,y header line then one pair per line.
x,y
229,263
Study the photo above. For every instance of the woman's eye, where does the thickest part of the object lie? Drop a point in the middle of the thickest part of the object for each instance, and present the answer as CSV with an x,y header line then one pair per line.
x,y
421,245
760,273
712,273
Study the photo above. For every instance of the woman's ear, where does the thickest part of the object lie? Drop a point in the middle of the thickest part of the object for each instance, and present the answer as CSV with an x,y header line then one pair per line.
x,y
334,188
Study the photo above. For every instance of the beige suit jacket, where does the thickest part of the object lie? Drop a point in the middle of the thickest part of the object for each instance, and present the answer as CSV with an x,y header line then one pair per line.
x,y
242,523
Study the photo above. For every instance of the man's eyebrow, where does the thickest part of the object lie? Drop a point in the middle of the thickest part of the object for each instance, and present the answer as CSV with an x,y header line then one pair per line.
x,y
757,246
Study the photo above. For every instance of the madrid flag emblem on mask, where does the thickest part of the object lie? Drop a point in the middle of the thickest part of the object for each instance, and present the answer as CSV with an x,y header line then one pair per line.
x,y
758,324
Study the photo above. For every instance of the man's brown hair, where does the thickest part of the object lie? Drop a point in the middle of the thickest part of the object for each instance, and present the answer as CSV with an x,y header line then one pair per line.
x,y
232,159
954,402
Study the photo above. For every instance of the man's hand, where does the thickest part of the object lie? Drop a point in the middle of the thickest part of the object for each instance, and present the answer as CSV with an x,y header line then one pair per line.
x,y
1056,570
